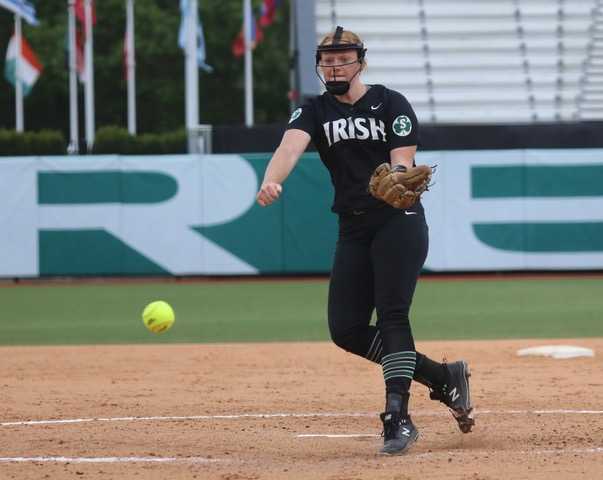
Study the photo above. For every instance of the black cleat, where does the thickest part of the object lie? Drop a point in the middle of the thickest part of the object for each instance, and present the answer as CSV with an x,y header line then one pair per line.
x,y
456,396
399,433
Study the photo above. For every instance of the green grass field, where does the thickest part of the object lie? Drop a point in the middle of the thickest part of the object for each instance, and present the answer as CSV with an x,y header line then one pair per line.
x,y
240,311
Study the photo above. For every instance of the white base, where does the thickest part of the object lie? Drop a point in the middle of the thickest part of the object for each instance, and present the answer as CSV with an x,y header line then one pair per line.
x,y
556,351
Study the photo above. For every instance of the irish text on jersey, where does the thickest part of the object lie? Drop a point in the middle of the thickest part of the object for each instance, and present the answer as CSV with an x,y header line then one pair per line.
x,y
358,128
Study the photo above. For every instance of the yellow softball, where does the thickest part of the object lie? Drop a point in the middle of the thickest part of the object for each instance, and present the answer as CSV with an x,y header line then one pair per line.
x,y
158,316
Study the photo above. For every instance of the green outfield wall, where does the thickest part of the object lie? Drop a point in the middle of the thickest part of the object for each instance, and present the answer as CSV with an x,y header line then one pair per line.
x,y
196,214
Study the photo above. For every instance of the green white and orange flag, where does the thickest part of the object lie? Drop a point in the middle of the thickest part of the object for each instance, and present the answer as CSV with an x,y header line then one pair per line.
x,y
30,67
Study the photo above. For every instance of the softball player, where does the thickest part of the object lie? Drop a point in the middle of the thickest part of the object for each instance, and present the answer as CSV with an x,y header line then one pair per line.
x,y
380,250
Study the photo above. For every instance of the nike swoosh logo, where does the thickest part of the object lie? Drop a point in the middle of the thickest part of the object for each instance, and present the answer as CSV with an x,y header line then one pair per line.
x,y
409,213
373,107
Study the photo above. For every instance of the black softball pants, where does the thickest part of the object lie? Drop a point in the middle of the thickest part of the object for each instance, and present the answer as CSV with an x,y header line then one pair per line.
x,y
378,258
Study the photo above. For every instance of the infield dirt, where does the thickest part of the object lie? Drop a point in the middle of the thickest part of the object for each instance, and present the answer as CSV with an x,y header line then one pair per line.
x,y
537,418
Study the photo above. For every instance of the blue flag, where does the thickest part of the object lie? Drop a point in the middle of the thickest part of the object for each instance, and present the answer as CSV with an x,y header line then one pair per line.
x,y
23,8
185,12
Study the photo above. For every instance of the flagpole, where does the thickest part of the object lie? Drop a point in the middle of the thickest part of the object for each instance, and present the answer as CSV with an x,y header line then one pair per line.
x,y
247,19
89,86
131,67
18,87
74,133
192,69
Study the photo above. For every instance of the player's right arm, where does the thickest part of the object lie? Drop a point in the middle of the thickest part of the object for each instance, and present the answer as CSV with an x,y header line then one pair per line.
x,y
285,157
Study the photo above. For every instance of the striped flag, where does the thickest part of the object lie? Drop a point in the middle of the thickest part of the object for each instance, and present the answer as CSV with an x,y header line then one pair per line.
x,y
29,65
238,44
266,19
80,37
23,8
268,11
80,11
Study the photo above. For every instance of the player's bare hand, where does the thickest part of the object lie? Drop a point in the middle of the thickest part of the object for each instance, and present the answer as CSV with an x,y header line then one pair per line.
x,y
268,193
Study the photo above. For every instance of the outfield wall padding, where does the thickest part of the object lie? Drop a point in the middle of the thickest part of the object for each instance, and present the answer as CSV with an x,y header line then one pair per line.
x,y
488,210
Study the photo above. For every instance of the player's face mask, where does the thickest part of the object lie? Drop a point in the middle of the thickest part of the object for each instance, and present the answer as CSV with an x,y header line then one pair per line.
x,y
338,87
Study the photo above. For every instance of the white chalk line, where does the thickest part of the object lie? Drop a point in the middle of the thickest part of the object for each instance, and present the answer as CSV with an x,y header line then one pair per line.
x,y
109,459
473,453
287,415
198,460
550,451
339,435
188,417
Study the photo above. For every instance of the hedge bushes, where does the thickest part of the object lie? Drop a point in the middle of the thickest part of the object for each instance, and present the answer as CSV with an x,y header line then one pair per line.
x,y
44,142
108,140
118,140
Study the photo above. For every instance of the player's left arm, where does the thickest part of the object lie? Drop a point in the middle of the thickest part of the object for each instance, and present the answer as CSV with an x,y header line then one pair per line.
x,y
402,131
403,156
400,187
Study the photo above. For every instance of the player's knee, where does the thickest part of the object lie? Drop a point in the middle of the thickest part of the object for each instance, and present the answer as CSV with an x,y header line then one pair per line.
x,y
341,339
348,340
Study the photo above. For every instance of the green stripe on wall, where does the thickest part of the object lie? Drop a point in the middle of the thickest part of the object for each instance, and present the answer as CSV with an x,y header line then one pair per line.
x,y
536,181
542,237
90,252
104,187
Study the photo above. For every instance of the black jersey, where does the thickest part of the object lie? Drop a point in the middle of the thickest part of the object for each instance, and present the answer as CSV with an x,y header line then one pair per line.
x,y
353,140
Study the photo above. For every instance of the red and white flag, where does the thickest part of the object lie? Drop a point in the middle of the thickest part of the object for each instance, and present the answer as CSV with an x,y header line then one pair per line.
x,y
80,37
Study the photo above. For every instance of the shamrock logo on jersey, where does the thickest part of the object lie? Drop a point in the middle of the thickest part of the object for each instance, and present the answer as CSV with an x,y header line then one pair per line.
x,y
402,125
295,115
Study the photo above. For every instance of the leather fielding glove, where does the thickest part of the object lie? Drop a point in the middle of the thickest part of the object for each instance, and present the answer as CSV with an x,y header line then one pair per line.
x,y
399,187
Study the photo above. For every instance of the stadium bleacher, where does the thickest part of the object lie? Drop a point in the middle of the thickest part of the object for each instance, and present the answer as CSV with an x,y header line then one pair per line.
x,y
482,62
590,100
